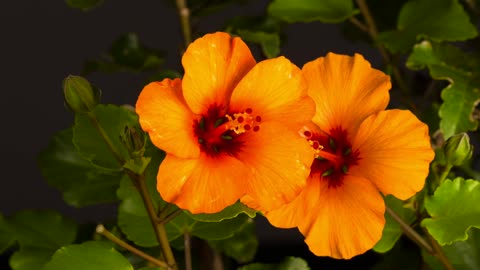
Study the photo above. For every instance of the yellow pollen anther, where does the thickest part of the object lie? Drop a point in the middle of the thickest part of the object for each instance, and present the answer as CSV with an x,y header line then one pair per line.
x,y
305,132
317,147
243,122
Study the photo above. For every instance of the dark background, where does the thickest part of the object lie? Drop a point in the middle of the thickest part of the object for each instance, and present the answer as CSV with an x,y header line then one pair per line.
x,y
42,42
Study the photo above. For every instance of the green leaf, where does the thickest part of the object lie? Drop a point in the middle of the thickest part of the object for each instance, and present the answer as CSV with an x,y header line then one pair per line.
x,y
392,230
454,208
385,13
242,246
289,263
42,229
227,213
83,4
218,230
438,20
39,234
261,30
270,42
92,255
446,62
183,223
327,11
6,238
30,258
463,255
80,181
112,120
430,117
137,166
127,53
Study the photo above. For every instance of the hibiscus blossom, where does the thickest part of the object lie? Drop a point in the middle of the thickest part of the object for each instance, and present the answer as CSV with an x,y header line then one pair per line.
x,y
229,127
360,150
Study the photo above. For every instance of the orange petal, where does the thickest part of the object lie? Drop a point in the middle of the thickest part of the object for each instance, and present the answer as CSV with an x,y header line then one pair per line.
x,y
395,152
165,116
299,212
203,185
347,221
276,90
346,90
279,161
214,64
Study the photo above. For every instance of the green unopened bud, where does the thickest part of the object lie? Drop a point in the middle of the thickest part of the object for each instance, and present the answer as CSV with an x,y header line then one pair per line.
x,y
80,96
458,149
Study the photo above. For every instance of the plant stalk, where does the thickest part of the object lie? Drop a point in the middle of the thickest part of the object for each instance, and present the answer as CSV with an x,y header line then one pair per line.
x,y
184,14
139,182
158,227
444,173
439,254
410,232
170,216
359,24
188,251
105,233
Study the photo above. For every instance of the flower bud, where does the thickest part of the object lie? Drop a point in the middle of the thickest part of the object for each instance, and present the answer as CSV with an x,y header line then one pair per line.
x,y
457,149
80,96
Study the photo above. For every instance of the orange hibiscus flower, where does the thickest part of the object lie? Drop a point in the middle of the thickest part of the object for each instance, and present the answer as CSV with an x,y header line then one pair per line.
x,y
229,127
360,149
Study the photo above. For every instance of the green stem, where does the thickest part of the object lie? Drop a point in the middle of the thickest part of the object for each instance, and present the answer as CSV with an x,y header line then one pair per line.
x,y
165,245
162,213
105,137
439,254
184,14
410,232
444,173
170,216
158,227
139,182
102,231
217,261
359,24
188,251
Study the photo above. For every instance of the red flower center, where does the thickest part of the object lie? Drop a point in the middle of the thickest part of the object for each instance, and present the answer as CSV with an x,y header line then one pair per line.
x,y
333,155
219,132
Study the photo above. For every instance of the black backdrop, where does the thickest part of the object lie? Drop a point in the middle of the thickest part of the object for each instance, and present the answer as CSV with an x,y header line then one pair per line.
x,y
41,42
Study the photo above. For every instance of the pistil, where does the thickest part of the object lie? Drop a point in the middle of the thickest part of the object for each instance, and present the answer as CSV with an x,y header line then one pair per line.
x,y
217,133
